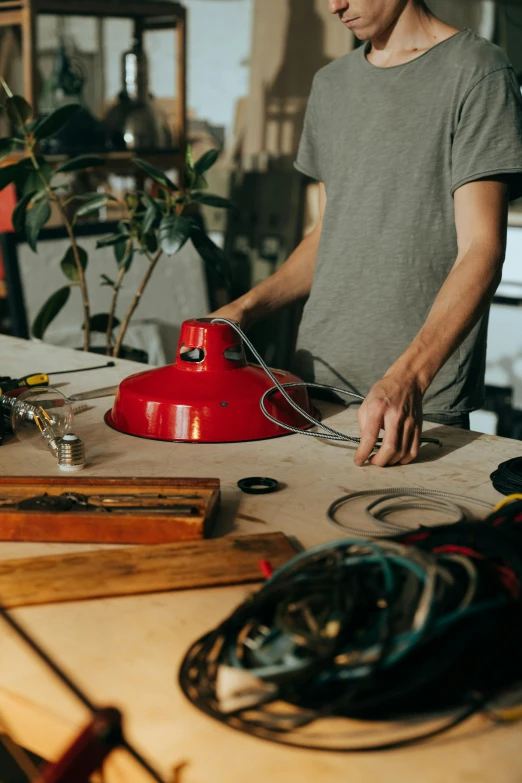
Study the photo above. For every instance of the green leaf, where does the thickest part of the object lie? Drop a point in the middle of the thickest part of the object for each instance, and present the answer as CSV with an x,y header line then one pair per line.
x,y
9,174
18,216
39,196
112,239
155,174
91,206
107,280
6,147
49,311
124,253
213,256
189,173
132,201
35,219
18,110
206,161
90,196
211,200
173,233
200,183
68,263
100,322
79,163
152,215
50,125
120,250
189,158
28,179
151,242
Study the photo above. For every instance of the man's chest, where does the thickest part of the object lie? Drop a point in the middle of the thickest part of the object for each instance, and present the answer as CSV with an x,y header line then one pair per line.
x,y
392,134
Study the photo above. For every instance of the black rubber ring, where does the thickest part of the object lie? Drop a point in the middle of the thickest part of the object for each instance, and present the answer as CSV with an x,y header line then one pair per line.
x,y
258,486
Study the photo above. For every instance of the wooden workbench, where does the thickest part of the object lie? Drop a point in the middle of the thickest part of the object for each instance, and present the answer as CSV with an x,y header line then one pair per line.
x,y
127,651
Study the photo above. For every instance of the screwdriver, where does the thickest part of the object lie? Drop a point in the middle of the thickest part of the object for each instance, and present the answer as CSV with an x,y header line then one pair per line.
x,y
36,379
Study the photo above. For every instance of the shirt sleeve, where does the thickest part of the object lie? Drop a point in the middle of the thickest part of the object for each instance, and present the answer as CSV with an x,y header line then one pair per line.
x,y
488,140
308,160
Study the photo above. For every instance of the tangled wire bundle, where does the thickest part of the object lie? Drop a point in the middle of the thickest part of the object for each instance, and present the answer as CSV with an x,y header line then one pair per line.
x,y
426,627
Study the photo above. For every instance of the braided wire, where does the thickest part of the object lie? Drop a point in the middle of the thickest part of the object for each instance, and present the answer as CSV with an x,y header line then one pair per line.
x,y
439,501
329,433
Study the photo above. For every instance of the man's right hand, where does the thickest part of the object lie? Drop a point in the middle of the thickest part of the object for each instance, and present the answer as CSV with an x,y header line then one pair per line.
x,y
233,312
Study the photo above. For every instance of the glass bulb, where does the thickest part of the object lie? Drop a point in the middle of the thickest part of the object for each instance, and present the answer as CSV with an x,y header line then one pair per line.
x,y
41,415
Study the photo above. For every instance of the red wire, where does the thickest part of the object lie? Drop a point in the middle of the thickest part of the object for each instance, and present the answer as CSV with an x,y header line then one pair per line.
x,y
266,568
459,550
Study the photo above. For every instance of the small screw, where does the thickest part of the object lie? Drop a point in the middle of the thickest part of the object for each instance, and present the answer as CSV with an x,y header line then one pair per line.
x,y
224,404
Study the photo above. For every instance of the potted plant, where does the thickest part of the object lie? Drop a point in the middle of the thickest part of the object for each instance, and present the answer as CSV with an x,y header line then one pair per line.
x,y
153,225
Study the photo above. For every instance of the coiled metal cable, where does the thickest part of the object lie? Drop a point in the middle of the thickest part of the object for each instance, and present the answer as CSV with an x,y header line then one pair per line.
x,y
438,500
328,433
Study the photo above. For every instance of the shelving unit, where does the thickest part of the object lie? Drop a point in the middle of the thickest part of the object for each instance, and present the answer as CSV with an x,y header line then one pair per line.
x,y
23,15
160,15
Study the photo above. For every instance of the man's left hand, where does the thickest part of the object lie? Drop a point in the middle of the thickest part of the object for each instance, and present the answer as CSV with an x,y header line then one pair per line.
x,y
395,405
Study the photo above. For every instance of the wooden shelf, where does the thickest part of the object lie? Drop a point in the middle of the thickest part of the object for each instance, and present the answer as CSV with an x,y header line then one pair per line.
x,y
118,161
157,14
110,8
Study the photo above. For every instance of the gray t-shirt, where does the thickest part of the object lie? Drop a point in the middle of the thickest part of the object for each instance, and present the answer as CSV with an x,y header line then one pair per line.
x,y
392,145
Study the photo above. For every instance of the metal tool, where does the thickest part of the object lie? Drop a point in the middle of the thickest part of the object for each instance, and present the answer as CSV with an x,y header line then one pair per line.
x,y
73,501
36,379
107,391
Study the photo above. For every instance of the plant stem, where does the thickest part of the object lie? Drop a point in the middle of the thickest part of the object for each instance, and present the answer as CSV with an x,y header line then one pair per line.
x,y
81,274
153,260
114,300
135,302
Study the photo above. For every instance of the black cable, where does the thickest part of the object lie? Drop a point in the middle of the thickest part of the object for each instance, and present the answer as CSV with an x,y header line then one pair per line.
x,y
507,478
428,626
83,369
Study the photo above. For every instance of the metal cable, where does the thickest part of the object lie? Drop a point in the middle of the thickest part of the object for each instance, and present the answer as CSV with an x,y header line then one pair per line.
x,y
328,432
437,503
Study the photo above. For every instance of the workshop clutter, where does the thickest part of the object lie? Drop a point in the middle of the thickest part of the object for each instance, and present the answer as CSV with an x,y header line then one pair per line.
x,y
412,636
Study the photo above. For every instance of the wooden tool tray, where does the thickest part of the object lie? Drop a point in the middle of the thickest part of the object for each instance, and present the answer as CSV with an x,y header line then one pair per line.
x,y
109,510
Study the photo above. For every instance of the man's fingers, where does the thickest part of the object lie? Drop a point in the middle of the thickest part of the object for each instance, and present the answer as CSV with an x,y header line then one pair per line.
x,y
391,449
371,423
408,431
413,452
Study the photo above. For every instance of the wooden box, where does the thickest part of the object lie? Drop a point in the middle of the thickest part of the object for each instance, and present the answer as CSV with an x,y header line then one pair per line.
x,y
109,511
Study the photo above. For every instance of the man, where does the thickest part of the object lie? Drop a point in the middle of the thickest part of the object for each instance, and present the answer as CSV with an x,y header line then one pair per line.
x,y
416,139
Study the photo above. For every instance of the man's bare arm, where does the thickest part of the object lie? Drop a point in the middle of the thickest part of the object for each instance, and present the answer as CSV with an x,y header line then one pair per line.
x,y
395,402
291,283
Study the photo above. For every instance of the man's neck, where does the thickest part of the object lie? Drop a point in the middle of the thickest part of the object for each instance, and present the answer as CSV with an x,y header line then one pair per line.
x,y
414,32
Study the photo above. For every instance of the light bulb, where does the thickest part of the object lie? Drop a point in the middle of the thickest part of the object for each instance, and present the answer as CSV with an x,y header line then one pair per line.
x,y
42,416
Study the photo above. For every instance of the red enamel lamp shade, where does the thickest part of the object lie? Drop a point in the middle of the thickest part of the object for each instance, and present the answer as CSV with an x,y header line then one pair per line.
x,y
209,395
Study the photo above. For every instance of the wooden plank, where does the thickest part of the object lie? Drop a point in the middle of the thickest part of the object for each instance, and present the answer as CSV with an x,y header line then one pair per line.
x,y
195,505
136,570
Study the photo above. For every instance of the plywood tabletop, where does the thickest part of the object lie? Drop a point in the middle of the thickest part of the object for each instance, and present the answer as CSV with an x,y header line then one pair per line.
x,y
127,650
